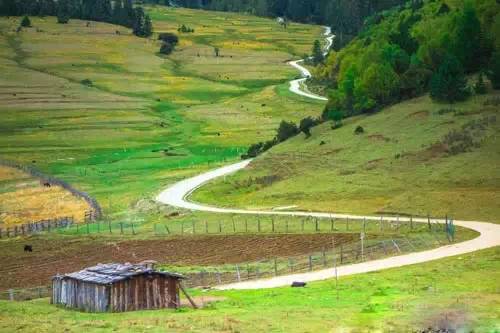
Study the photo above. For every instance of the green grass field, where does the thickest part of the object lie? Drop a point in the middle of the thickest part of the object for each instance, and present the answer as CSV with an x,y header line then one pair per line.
x,y
146,120
443,293
399,165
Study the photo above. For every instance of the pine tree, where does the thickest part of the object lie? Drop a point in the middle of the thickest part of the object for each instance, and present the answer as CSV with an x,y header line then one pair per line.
x,y
449,83
25,22
63,11
494,70
148,26
317,53
467,41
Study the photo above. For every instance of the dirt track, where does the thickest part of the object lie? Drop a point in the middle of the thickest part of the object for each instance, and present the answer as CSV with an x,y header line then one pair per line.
x,y
19,269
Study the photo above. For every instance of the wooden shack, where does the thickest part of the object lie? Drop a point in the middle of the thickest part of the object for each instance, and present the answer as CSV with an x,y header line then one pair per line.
x,y
117,288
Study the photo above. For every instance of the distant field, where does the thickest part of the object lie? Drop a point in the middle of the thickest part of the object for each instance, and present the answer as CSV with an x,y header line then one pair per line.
x,y
144,120
24,199
401,164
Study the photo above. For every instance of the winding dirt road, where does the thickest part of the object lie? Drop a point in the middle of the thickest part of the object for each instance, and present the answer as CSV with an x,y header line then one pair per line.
x,y
177,194
297,85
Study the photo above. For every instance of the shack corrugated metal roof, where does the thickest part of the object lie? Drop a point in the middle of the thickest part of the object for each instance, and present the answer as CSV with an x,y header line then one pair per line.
x,y
113,272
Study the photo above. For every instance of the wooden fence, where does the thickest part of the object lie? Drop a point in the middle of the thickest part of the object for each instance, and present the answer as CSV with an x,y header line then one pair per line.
x,y
343,254
37,227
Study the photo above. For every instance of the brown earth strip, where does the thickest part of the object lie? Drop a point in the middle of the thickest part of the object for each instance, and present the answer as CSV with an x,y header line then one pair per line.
x,y
19,269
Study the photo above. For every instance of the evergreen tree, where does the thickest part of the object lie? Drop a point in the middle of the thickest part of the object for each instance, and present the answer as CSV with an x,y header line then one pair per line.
x,y
467,42
449,83
494,70
286,130
148,26
317,53
63,11
25,22
480,86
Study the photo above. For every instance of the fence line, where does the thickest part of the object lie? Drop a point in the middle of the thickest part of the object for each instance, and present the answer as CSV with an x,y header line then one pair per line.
x,y
96,208
342,254
37,227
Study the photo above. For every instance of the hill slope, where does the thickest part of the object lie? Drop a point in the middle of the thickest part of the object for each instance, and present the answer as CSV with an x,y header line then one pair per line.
x,y
417,157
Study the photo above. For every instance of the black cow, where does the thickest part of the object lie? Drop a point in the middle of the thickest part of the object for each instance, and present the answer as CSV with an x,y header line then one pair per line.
x,y
46,184
296,284
28,248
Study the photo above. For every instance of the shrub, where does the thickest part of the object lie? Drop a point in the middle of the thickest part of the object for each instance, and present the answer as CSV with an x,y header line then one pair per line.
x,y
166,48
86,82
62,18
26,22
306,124
184,28
286,130
359,130
169,37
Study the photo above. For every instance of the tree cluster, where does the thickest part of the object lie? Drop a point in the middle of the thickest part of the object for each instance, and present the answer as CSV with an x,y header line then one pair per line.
x,y
169,41
286,130
411,50
121,12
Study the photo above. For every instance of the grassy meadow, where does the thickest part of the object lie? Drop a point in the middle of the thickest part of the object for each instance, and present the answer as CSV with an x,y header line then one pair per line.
x,y
401,164
24,199
442,293
144,120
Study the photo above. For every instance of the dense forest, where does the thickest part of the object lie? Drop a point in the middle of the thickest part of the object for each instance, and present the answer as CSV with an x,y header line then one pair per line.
x,y
121,12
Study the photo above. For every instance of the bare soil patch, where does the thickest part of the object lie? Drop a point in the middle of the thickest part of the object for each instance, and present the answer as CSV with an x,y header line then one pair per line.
x,y
49,257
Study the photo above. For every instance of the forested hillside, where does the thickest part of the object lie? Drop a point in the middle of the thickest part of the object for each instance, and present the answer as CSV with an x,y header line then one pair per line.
x,y
402,53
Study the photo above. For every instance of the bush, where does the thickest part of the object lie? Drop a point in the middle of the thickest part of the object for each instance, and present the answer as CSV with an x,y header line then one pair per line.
x,y
166,48
169,37
86,82
306,124
62,19
286,130
25,22
184,28
359,130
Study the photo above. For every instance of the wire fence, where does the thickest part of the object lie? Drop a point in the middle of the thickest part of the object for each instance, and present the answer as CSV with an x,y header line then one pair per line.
x,y
253,225
31,228
335,256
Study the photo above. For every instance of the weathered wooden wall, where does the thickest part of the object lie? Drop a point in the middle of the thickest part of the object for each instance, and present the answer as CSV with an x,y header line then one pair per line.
x,y
141,292
80,295
144,292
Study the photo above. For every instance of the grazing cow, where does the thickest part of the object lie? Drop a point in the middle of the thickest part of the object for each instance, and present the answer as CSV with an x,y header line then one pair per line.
x,y
28,248
46,184
296,284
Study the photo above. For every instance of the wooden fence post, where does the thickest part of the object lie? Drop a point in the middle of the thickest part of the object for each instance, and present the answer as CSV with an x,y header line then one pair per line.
x,y
133,229
286,225
290,264
347,224
121,228
246,226
166,228
341,254
310,263
238,276
11,294
88,228
317,224
272,224
234,224
220,228
275,267
324,257
206,227
364,224
332,224
109,225
302,225
411,222
8,232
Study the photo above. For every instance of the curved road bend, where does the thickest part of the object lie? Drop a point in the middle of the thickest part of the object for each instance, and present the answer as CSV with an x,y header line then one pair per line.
x,y
177,194
295,85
